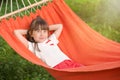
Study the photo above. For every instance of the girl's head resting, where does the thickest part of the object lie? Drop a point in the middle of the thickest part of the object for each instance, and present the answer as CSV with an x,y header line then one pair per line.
x,y
38,31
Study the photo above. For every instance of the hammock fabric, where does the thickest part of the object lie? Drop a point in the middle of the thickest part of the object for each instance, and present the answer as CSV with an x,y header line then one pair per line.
x,y
81,43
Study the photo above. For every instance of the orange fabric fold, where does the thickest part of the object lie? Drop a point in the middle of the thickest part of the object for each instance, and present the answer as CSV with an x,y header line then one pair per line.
x,y
80,42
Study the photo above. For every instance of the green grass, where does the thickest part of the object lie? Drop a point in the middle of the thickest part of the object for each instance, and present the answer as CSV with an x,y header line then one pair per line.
x,y
84,8
12,66
107,31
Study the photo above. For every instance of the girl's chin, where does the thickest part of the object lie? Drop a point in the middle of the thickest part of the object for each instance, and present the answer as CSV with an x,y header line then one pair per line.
x,y
40,41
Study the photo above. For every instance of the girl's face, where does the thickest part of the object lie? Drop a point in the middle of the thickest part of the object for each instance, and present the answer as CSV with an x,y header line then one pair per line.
x,y
40,35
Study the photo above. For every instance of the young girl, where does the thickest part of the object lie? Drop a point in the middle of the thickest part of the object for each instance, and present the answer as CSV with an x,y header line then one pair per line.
x,y
44,45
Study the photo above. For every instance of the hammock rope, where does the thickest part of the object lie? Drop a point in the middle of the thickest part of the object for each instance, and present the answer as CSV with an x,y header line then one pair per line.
x,y
26,7
84,45
1,5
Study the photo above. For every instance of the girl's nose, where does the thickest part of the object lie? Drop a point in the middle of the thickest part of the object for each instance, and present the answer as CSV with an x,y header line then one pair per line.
x,y
41,33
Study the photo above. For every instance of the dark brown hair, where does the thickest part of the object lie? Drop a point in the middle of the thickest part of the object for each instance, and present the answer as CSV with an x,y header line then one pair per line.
x,y
36,24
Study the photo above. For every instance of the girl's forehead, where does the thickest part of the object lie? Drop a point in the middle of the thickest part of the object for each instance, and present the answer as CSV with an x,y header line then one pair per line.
x,y
37,28
40,29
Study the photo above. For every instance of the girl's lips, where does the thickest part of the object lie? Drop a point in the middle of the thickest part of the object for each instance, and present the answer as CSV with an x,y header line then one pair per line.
x,y
41,38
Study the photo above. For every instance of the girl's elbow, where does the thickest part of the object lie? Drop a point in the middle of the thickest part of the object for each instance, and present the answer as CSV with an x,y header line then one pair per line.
x,y
15,31
61,26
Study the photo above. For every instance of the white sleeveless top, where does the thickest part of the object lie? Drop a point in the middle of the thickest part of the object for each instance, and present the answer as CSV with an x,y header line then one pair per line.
x,y
50,53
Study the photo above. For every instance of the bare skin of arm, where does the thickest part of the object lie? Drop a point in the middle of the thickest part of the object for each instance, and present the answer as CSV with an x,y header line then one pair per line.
x,y
57,28
19,34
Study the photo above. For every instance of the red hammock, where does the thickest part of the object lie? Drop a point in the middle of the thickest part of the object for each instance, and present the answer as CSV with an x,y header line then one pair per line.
x,y
81,43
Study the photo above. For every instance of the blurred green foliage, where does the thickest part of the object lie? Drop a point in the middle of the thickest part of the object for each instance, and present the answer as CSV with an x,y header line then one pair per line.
x,y
95,13
101,15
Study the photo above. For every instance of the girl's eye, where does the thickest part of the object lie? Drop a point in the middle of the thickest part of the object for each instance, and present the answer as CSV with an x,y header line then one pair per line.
x,y
45,31
37,30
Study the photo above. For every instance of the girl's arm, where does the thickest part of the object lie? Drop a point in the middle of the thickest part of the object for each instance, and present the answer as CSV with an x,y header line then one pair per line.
x,y
57,29
20,35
